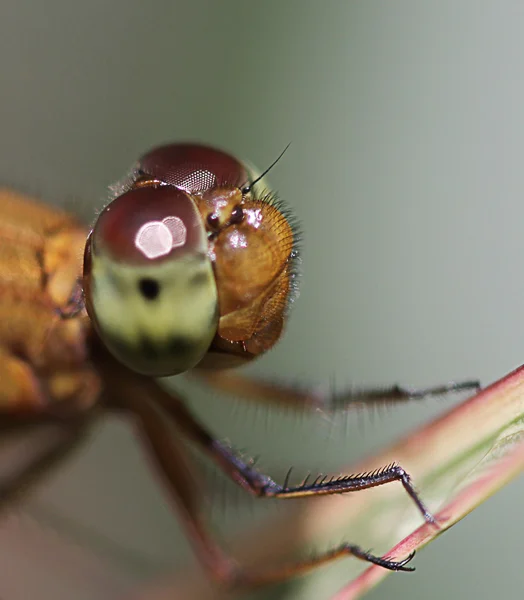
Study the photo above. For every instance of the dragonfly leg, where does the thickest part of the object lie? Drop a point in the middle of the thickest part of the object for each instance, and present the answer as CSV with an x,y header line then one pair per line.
x,y
168,453
299,397
259,484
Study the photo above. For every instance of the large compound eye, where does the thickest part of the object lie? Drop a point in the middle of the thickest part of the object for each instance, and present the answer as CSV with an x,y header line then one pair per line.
x,y
193,168
149,224
149,284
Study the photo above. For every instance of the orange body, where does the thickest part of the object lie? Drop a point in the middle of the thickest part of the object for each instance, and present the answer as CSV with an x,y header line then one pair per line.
x,y
43,356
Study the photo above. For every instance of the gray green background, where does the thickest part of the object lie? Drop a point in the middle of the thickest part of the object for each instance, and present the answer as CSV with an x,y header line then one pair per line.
x,y
406,170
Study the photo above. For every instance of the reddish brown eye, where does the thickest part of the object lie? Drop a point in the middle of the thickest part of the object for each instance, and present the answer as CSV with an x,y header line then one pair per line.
x,y
147,224
193,168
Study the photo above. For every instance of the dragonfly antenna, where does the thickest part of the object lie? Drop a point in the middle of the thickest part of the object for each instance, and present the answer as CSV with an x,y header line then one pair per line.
x,y
247,188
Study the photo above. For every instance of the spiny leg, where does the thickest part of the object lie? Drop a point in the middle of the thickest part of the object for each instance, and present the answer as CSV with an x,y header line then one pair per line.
x,y
310,398
262,485
169,455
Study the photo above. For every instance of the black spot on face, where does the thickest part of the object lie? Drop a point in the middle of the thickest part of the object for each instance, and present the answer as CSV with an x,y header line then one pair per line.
x,y
149,288
148,350
176,346
180,346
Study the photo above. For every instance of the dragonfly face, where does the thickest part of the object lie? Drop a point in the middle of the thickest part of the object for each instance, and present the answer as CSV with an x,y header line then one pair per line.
x,y
186,267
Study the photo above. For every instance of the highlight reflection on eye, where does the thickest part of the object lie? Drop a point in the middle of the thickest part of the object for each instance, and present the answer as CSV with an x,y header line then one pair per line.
x,y
158,238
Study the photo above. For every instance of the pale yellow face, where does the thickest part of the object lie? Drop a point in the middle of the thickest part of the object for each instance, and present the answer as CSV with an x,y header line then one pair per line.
x,y
162,335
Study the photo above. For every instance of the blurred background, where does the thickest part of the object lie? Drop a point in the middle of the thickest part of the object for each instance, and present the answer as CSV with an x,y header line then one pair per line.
x,y
405,170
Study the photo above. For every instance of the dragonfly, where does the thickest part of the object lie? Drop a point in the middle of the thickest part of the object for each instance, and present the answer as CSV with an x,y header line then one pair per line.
x,y
192,266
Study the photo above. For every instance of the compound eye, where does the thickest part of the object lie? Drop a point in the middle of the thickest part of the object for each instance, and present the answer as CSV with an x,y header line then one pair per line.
x,y
192,167
149,224
148,281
